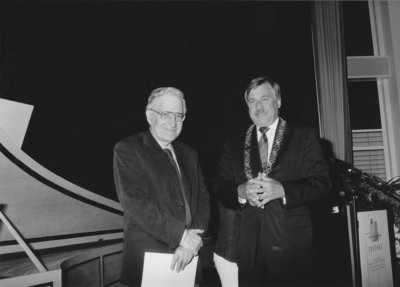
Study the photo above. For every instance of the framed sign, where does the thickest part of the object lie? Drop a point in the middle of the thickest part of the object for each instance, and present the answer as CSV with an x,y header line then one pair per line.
x,y
375,257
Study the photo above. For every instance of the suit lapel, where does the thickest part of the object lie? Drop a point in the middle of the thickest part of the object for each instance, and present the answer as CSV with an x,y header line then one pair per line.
x,y
165,167
181,157
255,159
183,161
154,149
280,140
152,145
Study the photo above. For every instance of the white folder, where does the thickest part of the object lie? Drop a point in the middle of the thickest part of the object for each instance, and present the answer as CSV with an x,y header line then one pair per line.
x,y
157,272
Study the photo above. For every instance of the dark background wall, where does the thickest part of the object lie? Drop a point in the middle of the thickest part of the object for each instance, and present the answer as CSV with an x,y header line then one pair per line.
x,y
88,69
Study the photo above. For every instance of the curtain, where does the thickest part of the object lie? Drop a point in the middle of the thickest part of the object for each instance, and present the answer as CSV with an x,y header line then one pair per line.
x,y
331,77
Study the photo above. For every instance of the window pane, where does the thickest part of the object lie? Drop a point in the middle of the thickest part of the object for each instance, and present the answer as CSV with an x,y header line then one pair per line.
x,y
371,138
364,105
371,162
357,28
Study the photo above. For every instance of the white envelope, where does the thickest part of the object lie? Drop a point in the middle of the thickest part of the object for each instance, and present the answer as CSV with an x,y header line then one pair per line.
x,y
157,272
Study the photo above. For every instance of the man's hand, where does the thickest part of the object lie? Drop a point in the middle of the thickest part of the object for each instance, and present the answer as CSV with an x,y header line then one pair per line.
x,y
250,190
270,190
182,257
192,240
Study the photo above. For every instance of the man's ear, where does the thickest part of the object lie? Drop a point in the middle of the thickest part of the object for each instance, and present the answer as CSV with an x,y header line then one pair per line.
x,y
149,117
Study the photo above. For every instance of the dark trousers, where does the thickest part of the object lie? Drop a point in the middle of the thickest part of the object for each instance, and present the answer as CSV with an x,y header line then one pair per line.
x,y
262,276
257,276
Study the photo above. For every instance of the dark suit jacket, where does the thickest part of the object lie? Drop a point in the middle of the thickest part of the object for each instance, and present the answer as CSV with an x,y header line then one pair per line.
x,y
149,192
284,231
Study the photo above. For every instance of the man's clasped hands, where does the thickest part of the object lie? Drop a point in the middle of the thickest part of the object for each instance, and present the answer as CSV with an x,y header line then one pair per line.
x,y
260,190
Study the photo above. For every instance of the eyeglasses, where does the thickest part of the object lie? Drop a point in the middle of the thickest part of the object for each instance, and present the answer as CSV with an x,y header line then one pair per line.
x,y
170,116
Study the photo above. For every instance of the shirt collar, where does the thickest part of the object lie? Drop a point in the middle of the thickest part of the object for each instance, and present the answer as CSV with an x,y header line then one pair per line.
x,y
272,128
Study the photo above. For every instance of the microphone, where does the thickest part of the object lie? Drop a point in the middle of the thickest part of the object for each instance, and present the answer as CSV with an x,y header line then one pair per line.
x,y
350,170
362,177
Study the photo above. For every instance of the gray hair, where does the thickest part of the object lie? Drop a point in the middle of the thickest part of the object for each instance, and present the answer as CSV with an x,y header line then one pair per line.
x,y
157,93
261,81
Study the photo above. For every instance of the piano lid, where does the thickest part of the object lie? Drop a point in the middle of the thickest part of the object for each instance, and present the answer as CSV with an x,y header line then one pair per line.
x,y
45,208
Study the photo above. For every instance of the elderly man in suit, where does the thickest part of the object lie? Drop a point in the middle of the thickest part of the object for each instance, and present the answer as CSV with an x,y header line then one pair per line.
x,y
160,186
268,176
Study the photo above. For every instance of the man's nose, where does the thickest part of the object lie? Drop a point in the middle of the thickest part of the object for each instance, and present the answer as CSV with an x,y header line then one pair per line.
x,y
173,120
259,105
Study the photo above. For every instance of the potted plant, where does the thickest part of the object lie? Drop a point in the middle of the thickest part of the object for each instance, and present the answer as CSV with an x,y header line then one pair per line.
x,y
394,185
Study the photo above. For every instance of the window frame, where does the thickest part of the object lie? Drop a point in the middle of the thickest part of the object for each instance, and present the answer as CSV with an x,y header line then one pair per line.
x,y
379,67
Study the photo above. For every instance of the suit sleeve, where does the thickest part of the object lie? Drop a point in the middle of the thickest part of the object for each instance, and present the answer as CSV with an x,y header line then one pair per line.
x,y
225,185
133,194
315,180
202,216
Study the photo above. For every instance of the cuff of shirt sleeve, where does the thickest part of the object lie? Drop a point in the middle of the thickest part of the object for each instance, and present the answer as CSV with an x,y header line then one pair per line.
x,y
183,236
242,200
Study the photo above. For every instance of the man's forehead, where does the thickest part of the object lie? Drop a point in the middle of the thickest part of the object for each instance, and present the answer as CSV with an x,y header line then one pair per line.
x,y
169,100
263,90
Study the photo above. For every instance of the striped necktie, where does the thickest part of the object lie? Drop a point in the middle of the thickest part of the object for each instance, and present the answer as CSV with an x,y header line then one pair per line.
x,y
263,147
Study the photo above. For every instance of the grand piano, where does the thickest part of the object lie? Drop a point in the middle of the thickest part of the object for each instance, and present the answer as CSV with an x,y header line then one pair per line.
x,y
48,222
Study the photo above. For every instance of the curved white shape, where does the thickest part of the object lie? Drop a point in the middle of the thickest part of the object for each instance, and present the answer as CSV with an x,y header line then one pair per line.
x,y
45,207
39,169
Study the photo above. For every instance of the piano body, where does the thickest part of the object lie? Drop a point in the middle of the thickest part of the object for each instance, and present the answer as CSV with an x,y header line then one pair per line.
x,y
55,218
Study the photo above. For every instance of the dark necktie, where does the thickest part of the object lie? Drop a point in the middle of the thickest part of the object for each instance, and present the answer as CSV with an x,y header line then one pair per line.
x,y
263,147
187,209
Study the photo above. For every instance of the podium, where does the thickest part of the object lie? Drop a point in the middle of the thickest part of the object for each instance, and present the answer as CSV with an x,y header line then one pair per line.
x,y
369,204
